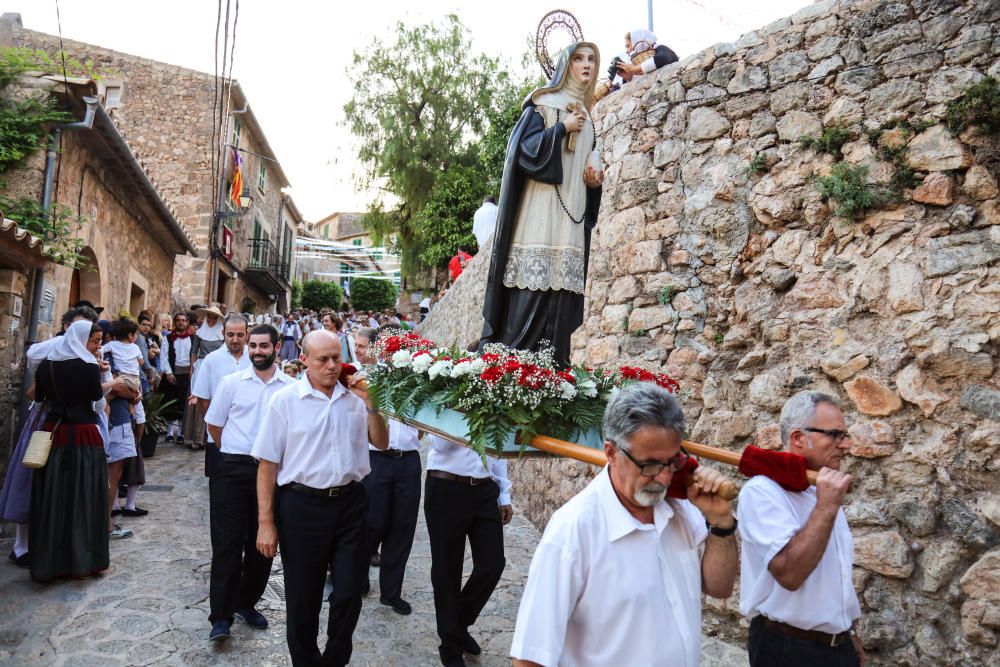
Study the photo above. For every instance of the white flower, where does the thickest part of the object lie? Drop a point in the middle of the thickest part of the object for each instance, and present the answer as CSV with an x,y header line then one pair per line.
x,y
402,359
422,362
588,388
477,366
566,390
442,368
461,368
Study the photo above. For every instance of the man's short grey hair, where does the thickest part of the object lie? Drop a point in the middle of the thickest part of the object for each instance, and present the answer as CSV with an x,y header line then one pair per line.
x,y
368,333
800,410
638,405
234,318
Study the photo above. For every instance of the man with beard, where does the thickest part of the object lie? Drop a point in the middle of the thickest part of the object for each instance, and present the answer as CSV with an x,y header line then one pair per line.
x,y
228,359
239,571
618,575
177,371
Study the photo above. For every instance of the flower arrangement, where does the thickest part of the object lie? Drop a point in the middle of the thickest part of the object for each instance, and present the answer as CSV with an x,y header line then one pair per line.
x,y
499,390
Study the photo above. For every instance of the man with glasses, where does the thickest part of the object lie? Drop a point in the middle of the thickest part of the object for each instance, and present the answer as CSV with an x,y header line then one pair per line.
x,y
618,575
797,549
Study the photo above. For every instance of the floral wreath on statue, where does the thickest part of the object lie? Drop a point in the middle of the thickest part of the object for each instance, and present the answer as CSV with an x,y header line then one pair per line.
x,y
499,390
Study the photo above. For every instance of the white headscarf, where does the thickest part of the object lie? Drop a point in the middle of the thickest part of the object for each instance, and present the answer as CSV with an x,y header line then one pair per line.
x,y
39,352
642,40
206,332
74,344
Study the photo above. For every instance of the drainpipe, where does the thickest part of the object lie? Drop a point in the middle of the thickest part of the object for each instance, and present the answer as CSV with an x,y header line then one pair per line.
x,y
47,189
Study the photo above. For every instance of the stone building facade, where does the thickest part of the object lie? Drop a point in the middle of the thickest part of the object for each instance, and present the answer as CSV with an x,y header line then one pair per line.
x,y
166,112
130,236
717,260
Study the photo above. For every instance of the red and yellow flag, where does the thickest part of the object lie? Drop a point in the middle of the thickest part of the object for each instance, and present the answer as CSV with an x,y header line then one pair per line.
x,y
237,188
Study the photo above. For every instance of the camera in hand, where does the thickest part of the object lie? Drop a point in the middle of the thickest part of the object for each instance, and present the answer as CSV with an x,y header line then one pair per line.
x,y
613,69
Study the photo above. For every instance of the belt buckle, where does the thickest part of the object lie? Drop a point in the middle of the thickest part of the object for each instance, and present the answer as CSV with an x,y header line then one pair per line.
x,y
395,453
332,491
475,481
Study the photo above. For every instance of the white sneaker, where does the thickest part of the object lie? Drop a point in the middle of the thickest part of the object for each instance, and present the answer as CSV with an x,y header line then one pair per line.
x,y
120,533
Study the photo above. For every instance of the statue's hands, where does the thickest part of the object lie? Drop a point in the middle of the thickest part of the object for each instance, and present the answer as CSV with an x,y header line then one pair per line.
x,y
593,178
573,121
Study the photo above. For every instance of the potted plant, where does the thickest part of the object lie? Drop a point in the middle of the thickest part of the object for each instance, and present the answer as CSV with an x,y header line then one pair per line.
x,y
156,424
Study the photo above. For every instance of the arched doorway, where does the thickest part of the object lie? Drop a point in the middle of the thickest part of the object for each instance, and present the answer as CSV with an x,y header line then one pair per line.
x,y
85,285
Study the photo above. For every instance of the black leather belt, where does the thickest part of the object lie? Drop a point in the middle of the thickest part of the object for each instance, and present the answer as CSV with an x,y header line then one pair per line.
x,y
817,636
238,458
332,492
461,479
395,453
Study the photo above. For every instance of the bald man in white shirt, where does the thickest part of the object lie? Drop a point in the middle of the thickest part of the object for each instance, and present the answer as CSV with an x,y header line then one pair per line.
x,y
798,553
312,449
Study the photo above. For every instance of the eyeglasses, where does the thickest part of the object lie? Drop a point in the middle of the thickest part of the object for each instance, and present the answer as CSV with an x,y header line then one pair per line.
x,y
654,468
837,435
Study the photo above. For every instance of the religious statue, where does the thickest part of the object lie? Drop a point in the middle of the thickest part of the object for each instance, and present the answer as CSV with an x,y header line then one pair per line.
x,y
549,200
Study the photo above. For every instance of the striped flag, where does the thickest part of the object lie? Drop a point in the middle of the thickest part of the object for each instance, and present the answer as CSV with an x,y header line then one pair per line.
x,y
237,188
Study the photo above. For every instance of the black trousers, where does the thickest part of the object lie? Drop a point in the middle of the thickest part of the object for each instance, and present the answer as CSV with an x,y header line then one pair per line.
x,y
317,533
239,571
454,512
393,488
769,648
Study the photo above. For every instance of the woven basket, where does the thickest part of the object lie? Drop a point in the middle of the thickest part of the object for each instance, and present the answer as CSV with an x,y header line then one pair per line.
x,y
36,455
640,58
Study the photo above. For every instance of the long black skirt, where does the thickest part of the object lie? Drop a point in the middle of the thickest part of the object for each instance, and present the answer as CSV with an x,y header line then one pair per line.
x,y
69,506
534,316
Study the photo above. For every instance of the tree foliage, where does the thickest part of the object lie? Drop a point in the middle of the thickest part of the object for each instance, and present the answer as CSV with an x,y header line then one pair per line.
x,y
445,222
421,101
319,294
502,119
372,294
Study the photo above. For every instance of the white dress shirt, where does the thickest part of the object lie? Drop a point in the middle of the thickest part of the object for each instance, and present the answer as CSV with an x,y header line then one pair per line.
x,y
458,460
401,436
769,517
317,441
182,355
237,407
606,589
484,222
213,368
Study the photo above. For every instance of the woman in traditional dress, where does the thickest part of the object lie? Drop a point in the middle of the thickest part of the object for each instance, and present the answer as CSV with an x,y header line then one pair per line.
x,y
69,495
207,339
291,333
549,199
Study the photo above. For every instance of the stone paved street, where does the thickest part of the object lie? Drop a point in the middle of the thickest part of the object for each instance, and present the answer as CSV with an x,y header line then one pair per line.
x,y
151,608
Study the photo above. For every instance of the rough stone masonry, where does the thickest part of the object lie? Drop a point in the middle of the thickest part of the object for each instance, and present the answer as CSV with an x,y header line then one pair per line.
x,y
717,260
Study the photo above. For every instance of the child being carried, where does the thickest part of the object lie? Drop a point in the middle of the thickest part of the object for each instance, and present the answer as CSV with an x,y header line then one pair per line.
x,y
124,355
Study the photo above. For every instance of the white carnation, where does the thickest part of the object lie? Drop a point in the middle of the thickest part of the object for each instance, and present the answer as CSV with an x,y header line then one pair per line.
x,y
402,359
588,388
477,366
566,391
442,368
461,368
422,362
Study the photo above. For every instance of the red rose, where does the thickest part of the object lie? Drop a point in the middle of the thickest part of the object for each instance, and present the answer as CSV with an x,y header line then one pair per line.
x,y
567,376
492,374
630,372
490,358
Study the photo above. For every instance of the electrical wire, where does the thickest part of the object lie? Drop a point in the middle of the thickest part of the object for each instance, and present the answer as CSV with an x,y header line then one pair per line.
x,y
62,54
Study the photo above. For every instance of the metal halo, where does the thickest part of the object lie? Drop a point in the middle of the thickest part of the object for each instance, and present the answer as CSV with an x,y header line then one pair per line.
x,y
558,20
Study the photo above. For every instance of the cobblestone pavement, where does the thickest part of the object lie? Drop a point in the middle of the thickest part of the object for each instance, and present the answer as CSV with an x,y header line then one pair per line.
x,y
151,607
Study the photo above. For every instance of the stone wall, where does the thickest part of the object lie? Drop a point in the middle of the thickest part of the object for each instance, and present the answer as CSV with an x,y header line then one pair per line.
x,y
716,259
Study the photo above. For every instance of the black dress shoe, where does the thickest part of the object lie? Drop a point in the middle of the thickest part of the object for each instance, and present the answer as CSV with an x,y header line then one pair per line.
x,y
24,560
468,644
375,561
399,605
138,511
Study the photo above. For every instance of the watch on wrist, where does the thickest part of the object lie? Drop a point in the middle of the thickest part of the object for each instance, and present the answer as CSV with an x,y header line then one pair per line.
x,y
721,532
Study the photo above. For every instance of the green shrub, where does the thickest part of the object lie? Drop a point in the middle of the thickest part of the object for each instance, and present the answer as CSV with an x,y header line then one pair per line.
x,y
372,294
979,105
830,141
319,294
758,165
846,185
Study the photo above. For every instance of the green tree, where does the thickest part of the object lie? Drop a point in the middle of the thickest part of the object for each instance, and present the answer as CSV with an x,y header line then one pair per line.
x,y
419,103
502,119
319,294
296,294
372,294
445,222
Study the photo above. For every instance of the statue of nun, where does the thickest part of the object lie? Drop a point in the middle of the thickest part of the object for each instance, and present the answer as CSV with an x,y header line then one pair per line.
x,y
549,199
